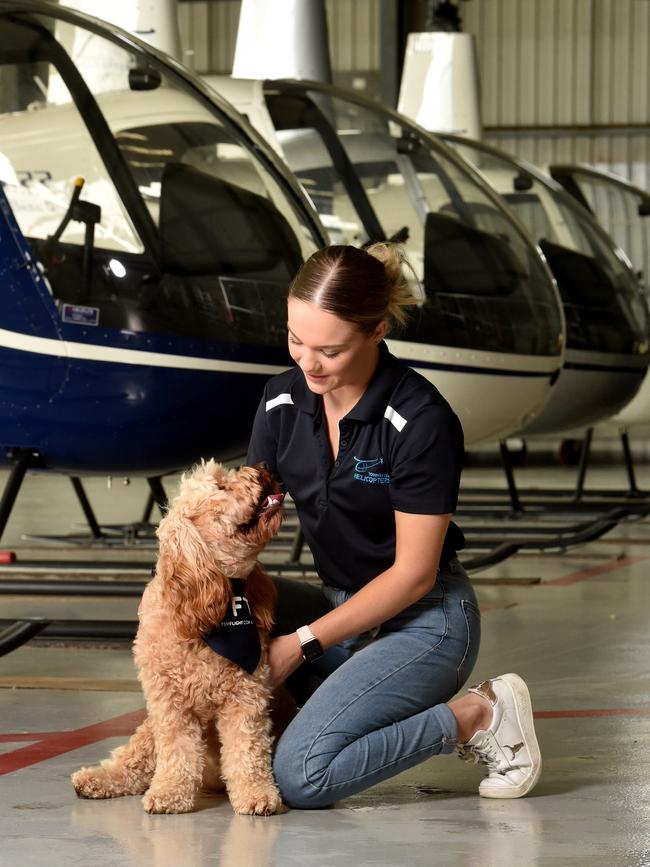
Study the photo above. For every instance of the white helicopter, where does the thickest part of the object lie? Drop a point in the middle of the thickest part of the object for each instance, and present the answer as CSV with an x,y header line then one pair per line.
x,y
608,337
608,327
623,209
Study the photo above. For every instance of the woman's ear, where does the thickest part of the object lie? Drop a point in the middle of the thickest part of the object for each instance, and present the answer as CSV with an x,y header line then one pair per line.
x,y
380,331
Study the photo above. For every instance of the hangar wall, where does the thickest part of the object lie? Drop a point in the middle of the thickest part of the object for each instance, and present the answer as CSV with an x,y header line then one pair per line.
x,y
567,80
562,80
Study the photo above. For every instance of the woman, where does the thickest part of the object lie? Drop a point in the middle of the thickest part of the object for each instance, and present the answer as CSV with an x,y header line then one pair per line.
x,y
371,454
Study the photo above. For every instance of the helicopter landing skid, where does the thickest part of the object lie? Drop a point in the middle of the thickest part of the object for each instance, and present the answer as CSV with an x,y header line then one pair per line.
x,y
112,536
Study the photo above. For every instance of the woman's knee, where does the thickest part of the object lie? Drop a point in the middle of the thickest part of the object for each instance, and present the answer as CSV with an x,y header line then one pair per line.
x,y
300,789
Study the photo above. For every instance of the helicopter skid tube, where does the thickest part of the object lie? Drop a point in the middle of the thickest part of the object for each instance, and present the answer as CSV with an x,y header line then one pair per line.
x,y
16,634
35,587
60,630
507,548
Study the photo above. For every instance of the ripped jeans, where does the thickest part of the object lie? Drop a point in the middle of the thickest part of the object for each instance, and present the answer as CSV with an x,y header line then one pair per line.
x,y
375,705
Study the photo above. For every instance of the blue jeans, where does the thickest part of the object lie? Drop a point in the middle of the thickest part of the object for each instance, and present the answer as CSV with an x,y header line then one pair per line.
x,y
378,702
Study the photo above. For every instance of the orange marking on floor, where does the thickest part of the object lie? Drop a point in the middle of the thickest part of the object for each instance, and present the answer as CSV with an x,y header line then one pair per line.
x,y
593,571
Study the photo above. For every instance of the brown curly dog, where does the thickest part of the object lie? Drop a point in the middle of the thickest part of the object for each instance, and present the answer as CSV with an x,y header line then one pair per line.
x,y
197,699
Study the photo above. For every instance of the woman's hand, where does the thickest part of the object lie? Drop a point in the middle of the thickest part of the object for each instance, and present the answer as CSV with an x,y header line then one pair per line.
x,y
285,655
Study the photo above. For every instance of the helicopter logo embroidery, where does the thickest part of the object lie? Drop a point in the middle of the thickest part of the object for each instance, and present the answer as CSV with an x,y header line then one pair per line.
x,y
362,468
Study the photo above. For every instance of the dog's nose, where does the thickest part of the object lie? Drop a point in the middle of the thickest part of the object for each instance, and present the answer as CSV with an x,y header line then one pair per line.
x,y
261,465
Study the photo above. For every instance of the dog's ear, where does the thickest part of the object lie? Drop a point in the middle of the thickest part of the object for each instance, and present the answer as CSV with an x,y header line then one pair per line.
x,y
262,596
195,590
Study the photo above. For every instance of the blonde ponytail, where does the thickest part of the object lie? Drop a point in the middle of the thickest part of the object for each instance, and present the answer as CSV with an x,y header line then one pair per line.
x,y
396,263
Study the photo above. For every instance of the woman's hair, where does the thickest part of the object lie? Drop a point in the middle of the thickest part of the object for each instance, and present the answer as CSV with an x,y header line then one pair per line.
x,y
360,286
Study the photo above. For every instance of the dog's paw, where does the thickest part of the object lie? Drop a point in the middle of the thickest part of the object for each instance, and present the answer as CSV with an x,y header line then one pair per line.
x,y
265,803
160,801
91,783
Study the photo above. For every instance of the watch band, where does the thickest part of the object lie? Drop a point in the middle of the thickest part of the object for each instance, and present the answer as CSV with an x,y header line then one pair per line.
x,y
310,645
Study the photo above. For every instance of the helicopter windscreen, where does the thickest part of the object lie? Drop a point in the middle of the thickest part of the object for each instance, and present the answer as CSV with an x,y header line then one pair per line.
x,y
620,208
373,178
178,228
603,308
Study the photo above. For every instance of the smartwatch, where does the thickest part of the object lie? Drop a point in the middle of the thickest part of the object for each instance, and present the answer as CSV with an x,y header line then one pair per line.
x,y
310,645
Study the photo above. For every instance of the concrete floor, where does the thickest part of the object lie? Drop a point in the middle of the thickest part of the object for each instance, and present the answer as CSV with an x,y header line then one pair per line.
x,y
579,637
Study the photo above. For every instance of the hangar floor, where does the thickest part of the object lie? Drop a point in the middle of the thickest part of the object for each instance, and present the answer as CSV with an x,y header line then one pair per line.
x,y
574,625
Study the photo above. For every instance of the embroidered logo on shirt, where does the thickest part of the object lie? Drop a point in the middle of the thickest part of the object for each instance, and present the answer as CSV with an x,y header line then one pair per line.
x,y
362,471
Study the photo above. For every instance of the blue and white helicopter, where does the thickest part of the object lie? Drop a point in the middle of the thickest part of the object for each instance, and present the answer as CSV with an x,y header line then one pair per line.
x,y
143,274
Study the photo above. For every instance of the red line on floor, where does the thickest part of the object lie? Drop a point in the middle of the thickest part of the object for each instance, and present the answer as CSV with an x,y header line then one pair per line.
x,y
592,571
598,712
57,743
21,737
52,744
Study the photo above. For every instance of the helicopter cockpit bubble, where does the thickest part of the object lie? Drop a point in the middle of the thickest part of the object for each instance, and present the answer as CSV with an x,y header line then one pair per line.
x,y
165,232
622,209
608,348
488,323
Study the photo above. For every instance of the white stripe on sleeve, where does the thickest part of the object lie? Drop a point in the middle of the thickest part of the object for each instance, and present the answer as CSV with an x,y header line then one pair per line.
x,y
394,418
285,397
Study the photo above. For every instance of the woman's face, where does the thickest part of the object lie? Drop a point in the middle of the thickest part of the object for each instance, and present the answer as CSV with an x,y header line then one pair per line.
x,y
330,351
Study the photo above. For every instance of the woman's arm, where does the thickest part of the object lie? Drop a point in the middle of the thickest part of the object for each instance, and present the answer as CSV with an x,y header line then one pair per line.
x,y
419,541
262,445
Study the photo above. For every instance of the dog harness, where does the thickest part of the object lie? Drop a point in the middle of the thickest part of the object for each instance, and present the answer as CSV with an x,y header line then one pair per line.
x,y
236,637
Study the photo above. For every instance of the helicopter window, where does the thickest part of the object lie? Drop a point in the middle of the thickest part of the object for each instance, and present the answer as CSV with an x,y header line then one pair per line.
x,y
217,239
316,157
492,293
617,209
39,180
532,214
175,129
602,307
206,146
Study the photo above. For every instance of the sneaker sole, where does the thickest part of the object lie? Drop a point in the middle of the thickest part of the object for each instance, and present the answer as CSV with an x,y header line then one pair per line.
x,y
524,710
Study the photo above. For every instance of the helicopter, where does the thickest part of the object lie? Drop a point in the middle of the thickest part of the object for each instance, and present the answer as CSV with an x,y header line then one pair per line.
x,y
491,321
622,209
490,317
608,326
147,238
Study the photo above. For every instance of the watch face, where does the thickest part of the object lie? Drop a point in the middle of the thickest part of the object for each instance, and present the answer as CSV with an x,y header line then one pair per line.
x,y
312,650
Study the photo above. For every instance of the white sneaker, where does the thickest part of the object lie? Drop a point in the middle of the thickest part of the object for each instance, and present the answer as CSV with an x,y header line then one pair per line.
x,y
509,747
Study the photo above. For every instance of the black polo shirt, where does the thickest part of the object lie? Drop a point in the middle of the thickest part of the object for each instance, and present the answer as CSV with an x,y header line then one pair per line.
x,y
400,448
